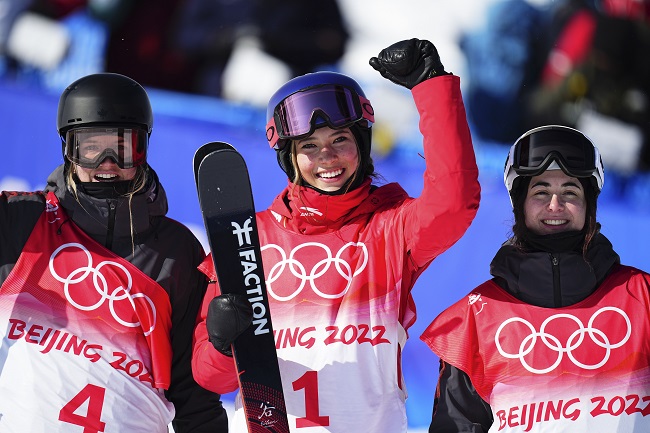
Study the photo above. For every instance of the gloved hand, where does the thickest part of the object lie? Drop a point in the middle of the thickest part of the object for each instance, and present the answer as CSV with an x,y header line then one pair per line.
x,y
408,63
228,316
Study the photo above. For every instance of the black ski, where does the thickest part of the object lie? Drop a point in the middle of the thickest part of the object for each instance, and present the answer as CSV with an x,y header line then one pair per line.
x,y
226,201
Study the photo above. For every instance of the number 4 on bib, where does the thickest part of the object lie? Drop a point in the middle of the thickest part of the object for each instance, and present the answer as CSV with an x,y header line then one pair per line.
x,y
226,201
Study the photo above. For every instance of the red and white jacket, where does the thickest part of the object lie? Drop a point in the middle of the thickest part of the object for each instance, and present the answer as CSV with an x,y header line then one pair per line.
x,y
85,337
585,367
339,272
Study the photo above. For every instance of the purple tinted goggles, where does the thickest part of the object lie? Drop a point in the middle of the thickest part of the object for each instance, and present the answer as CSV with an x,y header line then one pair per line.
x,y
300,113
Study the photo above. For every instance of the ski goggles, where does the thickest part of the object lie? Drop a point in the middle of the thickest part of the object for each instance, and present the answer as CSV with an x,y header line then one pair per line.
x,y
572,151
89,147
299,114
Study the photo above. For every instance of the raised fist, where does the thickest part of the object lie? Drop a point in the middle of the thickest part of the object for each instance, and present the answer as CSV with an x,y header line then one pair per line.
x,y
409,62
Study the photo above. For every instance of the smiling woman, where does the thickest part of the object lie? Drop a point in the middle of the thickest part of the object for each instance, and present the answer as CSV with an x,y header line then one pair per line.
x,y
320,125
555,202
568,157
327,159
94,260
341,255
495,370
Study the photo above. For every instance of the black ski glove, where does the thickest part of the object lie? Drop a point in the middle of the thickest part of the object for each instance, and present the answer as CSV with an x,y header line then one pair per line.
x,y
228,316
408,63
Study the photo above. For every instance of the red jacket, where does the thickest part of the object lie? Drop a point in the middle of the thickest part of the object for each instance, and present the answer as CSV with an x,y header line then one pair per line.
x,y
339,271
528,361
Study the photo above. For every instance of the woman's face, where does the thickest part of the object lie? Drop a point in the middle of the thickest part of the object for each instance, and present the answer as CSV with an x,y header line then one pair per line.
x,y
555,203
108,170
327,158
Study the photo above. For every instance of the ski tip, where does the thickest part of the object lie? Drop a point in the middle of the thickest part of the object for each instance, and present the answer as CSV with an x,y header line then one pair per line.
x,y
210,147
207,149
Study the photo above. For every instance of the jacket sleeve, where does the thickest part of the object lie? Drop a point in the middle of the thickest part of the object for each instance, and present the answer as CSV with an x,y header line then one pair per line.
x,y
19,212
451,191
198,410
212,370
457,407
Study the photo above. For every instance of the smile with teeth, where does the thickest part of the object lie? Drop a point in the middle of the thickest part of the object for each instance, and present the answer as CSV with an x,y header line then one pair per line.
x,y
105,176
331,174
555,222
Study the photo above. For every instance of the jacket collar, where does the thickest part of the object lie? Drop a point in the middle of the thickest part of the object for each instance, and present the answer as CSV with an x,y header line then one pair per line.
x,y
91,213
529,275
307,211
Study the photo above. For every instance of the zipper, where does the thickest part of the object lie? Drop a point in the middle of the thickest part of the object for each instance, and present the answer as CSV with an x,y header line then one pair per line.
x,y
110,229
557,289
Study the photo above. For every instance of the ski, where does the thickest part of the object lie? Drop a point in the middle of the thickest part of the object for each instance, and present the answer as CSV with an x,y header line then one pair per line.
x,y
226,201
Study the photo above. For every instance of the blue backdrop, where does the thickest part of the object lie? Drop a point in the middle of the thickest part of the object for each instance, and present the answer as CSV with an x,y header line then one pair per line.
x,y
31,150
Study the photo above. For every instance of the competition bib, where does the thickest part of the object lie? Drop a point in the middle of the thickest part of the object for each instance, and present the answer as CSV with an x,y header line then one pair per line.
x,y
330,323
84,337
579,368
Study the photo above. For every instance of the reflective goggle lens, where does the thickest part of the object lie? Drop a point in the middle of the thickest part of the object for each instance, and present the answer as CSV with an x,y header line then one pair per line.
x,y
295,117
89,147
573,151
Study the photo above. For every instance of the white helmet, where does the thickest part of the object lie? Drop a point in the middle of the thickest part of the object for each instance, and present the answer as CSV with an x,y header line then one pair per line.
x,y
553,147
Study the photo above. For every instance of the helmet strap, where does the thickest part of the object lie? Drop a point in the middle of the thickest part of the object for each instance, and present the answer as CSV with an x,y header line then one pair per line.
x,y
284,160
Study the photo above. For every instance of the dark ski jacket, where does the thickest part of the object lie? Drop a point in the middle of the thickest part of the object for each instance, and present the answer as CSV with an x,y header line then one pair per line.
x,y
162,248
528,277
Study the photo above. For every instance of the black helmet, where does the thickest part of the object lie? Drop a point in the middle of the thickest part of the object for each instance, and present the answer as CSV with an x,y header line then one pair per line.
x,y
105,100
314,100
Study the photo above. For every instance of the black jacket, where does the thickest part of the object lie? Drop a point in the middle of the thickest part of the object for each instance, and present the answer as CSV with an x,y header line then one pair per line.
x,y
544,279
162,248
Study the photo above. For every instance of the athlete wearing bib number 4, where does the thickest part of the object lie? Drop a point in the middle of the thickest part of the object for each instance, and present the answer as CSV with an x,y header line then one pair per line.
x,y
340,254
99,291
559,339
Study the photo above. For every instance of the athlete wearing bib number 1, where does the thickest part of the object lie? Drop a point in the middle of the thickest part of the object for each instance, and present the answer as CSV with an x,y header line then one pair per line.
x,y
559,340
99,291
342,254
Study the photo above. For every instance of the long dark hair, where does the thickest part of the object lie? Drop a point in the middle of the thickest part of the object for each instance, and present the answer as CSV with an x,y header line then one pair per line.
x,y
366,166
519,230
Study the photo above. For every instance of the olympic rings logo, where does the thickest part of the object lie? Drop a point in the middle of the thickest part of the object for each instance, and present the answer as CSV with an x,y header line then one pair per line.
x,y
100,283
597,336
299,271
